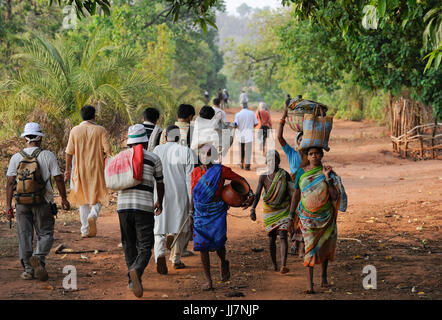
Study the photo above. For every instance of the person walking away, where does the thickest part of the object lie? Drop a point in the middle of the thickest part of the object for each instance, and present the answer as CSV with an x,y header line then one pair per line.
x,y
316,203
207,129
295,159
136,211
185,115
86,150
209,211
211,129
220,96
245,121
151,116
219,113
30,172
243,99
186,112
276,201
287,101
226,98
264,124
206,97
178,163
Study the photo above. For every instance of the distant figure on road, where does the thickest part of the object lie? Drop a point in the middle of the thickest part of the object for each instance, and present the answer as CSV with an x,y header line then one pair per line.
x,y
245,121
225,98
243,99
220,95
287,101
264,125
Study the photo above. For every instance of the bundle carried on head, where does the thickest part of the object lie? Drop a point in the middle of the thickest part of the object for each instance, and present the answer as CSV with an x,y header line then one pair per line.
x,y
310,118
299,107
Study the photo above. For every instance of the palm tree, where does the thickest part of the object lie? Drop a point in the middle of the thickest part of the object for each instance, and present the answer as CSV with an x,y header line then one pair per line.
x,y
63,78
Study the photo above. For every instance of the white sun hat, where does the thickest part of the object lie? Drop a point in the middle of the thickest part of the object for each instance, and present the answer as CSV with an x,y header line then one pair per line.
x,y
137,134
32,129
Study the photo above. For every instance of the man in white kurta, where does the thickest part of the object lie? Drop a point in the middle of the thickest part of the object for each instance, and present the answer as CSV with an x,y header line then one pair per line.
x,y
178,163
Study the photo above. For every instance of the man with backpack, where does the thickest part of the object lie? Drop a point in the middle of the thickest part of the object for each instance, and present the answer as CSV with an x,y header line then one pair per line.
x,y
30,173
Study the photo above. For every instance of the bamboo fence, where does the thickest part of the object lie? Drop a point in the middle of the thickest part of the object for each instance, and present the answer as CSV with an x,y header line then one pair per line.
x,y
414,132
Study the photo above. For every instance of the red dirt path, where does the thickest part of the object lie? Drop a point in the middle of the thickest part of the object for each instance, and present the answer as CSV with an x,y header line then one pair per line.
x,y
394,204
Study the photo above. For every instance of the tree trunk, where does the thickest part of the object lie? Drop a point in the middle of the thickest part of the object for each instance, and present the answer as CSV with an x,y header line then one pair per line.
x,y
8,10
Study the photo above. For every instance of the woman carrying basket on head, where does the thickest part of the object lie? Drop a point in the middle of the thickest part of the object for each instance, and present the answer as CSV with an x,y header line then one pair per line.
x,y
316,202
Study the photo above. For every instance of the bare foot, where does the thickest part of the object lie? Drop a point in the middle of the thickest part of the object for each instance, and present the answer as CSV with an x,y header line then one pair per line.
x,y
309,291
324,284
225,271
284,270
207,286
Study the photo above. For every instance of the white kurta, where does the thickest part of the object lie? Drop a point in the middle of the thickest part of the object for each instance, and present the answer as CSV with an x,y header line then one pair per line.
x,y
178,164
213,131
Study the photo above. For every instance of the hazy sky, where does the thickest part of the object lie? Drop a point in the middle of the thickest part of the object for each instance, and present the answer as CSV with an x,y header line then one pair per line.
x,y
231,5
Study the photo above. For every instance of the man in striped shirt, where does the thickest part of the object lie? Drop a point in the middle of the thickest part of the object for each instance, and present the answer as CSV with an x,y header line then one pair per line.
x,y
136,210
151,116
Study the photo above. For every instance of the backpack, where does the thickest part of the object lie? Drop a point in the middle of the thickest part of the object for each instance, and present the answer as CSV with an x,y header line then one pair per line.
x,y
30,186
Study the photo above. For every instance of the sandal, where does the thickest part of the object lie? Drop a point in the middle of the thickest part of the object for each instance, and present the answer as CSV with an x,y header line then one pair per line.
x,y
179,265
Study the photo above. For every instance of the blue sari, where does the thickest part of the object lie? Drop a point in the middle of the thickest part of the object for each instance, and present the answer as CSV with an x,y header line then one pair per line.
x,y
210,225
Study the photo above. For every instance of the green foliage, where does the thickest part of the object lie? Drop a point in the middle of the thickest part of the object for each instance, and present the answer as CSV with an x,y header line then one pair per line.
x,y
200,9
389,57
66,79
258,60
433,36
121,62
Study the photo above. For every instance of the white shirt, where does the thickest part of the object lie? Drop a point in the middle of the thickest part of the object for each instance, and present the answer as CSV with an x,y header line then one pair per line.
x,y
243,98
246,121
47,163
178,163
220,114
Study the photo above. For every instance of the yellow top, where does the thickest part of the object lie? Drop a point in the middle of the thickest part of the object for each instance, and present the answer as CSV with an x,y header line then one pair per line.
x,y
88,143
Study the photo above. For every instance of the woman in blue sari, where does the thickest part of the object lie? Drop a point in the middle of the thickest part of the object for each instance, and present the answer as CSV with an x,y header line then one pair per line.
x,y
209,211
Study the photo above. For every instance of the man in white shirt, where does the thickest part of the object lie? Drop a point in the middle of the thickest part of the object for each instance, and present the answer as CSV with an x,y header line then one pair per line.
x,y
245,121
219,113
178,163
243,99
38,215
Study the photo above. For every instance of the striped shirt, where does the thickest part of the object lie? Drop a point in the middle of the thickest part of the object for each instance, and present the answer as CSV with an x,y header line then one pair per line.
x,y
149,126
140,197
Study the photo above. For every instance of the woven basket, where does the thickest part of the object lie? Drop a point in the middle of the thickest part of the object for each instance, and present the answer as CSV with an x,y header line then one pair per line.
x,y
316,132
299,107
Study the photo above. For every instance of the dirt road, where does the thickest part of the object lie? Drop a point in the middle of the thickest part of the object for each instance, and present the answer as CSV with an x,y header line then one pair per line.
x,y
394,211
